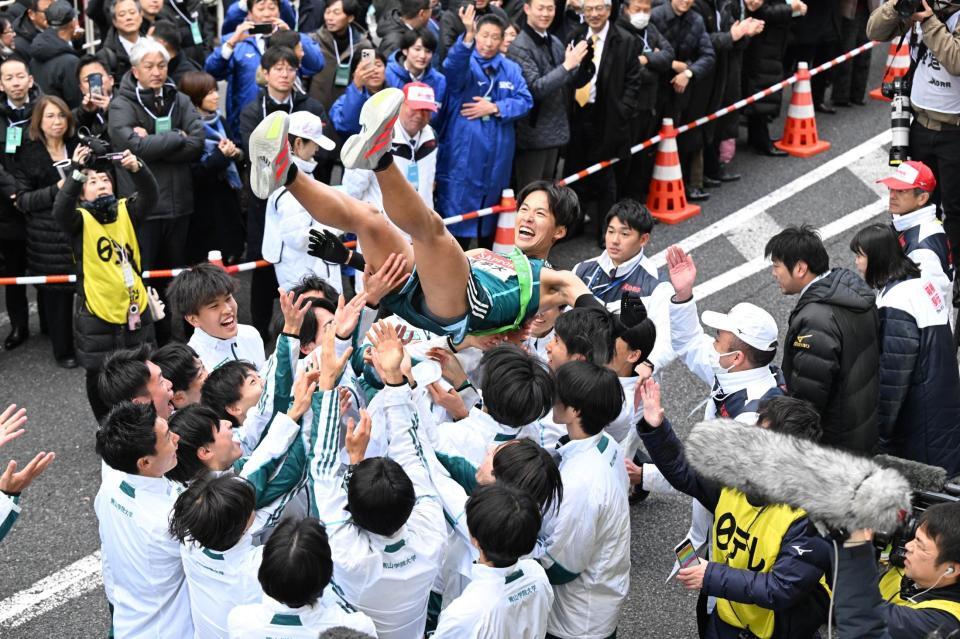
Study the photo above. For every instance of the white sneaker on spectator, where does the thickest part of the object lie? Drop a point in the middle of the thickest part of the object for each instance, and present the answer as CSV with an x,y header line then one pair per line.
x,y
269,155
379,113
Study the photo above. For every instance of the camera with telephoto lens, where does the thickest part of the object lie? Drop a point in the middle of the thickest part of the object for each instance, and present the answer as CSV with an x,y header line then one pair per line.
x,y
899,120
896,541
97,145
906,8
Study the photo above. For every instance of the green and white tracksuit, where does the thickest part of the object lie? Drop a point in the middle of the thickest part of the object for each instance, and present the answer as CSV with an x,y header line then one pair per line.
x,y
270,618
388,578
9,511
500,603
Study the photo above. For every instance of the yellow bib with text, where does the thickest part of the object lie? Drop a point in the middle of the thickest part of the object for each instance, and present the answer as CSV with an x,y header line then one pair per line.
x,y
890,591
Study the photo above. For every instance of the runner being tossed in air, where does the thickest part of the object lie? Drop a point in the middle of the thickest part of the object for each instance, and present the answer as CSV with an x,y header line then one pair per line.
x,y
449,291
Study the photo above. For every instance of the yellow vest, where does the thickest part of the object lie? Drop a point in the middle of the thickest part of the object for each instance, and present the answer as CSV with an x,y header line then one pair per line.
x,y
890,591
106,294
748,537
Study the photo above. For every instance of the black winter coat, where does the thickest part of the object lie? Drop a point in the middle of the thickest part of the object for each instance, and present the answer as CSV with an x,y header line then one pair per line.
x,y
619,88
919,381
657,72
763,59
168,154
94,338
48,250
53,63
26,32
12,224
820,24
831,358
114,56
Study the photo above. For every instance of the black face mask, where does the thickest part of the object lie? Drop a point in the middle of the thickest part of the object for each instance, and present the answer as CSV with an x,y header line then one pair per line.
x,y
103,208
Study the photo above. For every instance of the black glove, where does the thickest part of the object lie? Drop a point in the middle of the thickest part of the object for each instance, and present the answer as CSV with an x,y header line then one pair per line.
x,y
632,310
329,248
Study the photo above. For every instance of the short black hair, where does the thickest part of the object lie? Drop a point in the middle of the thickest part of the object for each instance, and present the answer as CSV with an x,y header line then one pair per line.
x,y
284,38
380,496
196,425
357,59
641,336
124,375
350,7
127,433
754,355
494,19
562,200
313,282
198,286
88,59
886,261
798,244
505,521
528,466
222,387
179,363
588,332
296,564
593,390
423,34
942,523
633,214
327,300
169,33
791,416
309,327
213,511
112,8
517,387
274,55
16,57
410,8
252,3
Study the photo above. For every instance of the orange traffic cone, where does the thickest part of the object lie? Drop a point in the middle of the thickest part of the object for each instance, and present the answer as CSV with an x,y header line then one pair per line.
x,y
800,132
503,241
215,257
667,199
898,64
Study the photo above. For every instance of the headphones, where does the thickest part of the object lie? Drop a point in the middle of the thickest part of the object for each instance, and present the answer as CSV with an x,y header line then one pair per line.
x,y
950,571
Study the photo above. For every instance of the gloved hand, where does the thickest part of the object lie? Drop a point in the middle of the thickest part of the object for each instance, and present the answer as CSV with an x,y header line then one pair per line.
x,y
632,310
328,247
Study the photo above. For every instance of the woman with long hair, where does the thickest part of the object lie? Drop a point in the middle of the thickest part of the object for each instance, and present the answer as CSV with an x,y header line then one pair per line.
x,y
216,222
51,144
919,408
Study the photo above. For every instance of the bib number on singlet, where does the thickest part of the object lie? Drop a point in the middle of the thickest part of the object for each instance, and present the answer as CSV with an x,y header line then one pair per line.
x,y
495,265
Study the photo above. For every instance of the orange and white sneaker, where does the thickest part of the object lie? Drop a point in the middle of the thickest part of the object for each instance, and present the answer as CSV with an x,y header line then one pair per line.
x,y
269,155
379,114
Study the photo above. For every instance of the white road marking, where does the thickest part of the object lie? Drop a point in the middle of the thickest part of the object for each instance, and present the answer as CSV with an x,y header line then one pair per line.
x,y
50,592
5,319
750,239
747,213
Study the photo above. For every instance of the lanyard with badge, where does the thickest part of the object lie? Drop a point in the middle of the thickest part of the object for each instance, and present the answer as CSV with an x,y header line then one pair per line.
x,y
492,74
605,288
342,78
413,171
161,124
646,45
14,135
194,23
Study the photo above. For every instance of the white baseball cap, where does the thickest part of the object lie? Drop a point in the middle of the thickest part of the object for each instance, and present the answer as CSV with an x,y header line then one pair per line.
x,y
303,124
748,322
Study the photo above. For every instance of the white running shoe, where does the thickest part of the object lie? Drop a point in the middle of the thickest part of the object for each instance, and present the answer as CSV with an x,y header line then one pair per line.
x,y
269,155
379,113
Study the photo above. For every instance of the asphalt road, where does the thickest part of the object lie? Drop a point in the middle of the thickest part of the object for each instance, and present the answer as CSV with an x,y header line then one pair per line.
x,y
58,526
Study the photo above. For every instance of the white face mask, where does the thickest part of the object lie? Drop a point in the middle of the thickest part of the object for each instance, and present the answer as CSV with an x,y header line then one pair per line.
x,y
715,361
307,166
639,20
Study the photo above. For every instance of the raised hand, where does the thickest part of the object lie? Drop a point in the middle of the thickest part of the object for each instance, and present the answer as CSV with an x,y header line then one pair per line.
x,y
468,16
293,311
387,352
303,387
450,366
347,315
449,400
682,271
13,482
11,421
648,396
331,366
357,437
390,276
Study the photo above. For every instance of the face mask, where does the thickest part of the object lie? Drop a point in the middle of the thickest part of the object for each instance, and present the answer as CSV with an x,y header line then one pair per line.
x,y
307,166
715,361
639,20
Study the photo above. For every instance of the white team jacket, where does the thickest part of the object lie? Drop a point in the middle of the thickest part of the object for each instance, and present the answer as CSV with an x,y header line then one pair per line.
x,y
9,511
388,578
588,554
213,351
272,619
500,603
142,574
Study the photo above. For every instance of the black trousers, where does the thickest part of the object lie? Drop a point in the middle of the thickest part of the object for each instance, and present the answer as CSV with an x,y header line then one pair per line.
x,y
55,306
99,408
163,244
13,262
813,54
940,150
850,78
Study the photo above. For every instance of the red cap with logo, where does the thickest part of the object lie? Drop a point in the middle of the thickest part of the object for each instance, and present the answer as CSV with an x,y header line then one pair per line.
x,y
418,95
911,175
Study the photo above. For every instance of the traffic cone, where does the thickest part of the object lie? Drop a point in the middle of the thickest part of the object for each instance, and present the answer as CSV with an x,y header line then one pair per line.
x,y
503,241
800,131
215,257
667,199
898,64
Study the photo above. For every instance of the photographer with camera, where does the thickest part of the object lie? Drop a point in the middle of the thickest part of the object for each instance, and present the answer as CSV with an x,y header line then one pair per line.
x,y
113,310
933,86
922,599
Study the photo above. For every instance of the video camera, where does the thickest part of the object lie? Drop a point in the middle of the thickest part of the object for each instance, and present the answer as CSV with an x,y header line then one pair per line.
x,y
922,500
906,8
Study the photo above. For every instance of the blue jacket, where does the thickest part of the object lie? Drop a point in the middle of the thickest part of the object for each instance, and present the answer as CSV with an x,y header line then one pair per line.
x,y
919,382
345,112
476,156
786,587
398,76
240,72
236,14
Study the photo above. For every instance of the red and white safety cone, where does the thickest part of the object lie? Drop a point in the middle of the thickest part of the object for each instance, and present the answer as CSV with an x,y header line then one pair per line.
x,y
898,64
667,199
800,131
215,257
504,241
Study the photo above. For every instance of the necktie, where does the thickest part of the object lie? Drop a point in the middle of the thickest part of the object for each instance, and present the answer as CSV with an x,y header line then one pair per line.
x,y
582,95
